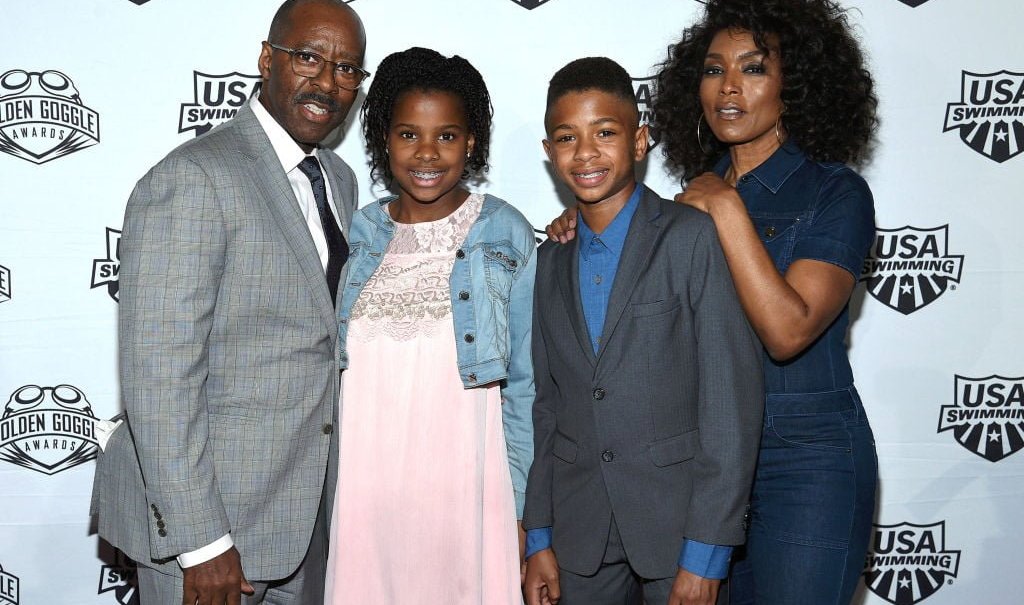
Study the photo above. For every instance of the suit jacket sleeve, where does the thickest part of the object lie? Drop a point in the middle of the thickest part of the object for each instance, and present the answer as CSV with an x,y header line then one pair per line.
x,y
172,257
538,511
731,399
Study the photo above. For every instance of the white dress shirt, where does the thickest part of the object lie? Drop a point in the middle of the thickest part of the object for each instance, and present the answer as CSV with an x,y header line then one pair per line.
x,y
290,154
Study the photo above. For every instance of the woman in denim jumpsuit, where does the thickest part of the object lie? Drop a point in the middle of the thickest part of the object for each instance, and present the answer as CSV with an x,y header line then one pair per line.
x,y
784,102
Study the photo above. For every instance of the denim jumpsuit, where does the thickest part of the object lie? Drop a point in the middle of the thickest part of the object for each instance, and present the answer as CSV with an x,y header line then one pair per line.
x,y
814,492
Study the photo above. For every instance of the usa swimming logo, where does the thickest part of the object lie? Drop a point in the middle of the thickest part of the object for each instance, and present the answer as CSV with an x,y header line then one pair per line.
x,y
217,98
990,114
907,563
643,90
909,268
48,429
105,270
987,415
121,579
8,588
42,116
913,3
5,284
530,4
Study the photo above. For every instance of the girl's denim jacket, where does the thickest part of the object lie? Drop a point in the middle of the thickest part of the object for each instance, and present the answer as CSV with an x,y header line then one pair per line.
x,y
492,308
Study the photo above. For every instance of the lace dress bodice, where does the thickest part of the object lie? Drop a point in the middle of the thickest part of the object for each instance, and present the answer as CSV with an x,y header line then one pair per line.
x,y
409,293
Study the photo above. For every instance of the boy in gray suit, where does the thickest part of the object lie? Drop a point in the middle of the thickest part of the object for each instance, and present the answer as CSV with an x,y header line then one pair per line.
x,y
649,389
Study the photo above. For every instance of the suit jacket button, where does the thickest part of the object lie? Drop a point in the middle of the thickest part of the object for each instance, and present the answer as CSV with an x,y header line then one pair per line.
x,y
157,515
328,429
468,338
607,455
162,533
460,254
599,393
161,524
463,295
153,506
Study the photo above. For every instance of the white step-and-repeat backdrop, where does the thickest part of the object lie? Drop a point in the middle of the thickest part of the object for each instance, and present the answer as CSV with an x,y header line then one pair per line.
x,y
93,92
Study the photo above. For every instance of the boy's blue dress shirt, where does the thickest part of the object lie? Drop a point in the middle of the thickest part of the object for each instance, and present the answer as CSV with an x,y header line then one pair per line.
x,y
599,260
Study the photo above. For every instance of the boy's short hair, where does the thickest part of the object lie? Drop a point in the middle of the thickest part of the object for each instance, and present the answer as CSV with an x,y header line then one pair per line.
x,y
590,73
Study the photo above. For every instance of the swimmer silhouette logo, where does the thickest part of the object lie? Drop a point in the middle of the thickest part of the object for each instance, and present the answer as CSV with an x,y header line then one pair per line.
x,y
990,114
907,563
987,415
42,116
217,98
909,268
48,429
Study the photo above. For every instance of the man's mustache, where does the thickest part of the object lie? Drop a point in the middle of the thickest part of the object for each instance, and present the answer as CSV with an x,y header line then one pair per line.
x,y
324,100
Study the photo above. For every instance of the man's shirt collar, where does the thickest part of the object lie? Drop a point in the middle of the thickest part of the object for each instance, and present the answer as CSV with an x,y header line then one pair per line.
x,y
287,150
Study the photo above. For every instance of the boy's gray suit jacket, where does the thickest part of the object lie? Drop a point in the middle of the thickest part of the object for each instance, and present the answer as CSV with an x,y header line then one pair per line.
x,y
661,427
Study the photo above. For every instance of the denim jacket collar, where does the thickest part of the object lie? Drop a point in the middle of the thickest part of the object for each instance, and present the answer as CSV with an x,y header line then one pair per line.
x,y
379,215
773,172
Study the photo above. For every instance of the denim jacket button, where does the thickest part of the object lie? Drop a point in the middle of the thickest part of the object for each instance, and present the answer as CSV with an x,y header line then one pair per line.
x,y
468,338
463,295
769,232
472,377
460,254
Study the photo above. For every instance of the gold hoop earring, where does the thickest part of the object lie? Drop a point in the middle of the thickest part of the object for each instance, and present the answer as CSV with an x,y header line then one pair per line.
x,y
700,141
778,136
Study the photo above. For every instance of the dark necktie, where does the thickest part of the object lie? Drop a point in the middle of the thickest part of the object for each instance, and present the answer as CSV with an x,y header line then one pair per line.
x,y
337,247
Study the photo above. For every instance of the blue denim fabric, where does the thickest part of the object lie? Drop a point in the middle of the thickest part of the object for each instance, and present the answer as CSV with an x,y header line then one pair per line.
x,y
492,308
813,498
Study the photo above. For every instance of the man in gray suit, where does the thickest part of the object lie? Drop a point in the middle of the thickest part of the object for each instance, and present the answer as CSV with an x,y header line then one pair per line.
x,y
649,388
218,482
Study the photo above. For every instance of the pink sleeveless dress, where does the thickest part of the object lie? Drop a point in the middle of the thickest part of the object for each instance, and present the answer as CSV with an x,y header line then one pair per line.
x,y
424,511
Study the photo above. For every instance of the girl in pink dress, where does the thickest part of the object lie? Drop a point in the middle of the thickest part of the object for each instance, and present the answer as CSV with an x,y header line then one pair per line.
x,y
434,330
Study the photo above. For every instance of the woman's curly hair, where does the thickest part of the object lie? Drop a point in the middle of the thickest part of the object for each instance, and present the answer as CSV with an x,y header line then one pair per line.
x,y
826,88
423,69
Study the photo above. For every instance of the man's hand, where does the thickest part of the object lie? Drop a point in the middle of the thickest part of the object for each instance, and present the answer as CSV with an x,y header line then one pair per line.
x,y
217,581
691,589
563,228
541,586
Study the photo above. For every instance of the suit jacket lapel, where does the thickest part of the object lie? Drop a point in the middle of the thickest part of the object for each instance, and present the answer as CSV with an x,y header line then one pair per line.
x,y
640,240
567,259
271,183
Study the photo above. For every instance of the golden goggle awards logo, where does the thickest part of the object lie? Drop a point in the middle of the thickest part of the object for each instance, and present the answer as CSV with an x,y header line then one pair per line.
x,y
42,116
8,588
5,284
48,429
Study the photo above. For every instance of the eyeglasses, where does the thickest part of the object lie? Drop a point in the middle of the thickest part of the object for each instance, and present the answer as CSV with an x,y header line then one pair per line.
x,y
308,64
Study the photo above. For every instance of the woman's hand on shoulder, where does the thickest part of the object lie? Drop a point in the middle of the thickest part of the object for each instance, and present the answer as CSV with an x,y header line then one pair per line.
x,y
563,228
708,192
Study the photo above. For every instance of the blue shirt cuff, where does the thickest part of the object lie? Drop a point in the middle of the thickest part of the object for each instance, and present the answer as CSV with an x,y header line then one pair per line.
x,y
705,560
537,540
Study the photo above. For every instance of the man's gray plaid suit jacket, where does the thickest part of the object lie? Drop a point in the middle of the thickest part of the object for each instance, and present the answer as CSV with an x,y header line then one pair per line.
x,y
228,365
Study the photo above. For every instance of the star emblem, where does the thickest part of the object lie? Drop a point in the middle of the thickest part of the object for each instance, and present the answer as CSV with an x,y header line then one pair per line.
x,y
904,583
1001,135
993,435
906,288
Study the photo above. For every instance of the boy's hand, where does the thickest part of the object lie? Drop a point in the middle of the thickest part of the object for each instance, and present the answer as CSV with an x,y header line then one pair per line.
x,y
563,228
691,589
541,586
